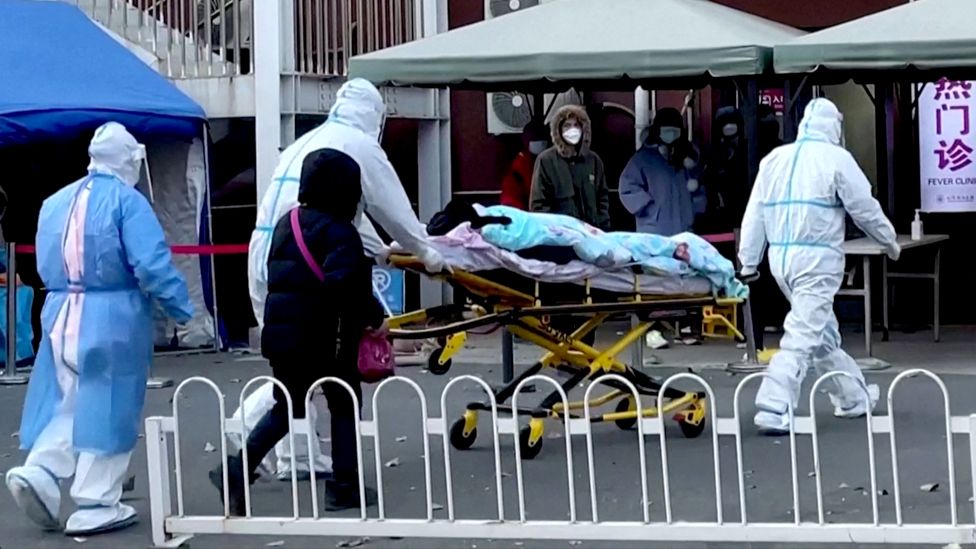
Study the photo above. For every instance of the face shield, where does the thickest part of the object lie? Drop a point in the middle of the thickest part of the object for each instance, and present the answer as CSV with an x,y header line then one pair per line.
x,y
143,159
840,130
379,137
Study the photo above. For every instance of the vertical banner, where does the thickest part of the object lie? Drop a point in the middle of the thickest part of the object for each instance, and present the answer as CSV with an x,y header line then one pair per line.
x,y
388,287
947,140
773,98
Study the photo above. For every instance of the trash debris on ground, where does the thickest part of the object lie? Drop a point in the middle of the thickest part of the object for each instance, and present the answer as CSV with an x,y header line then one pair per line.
x,y
352,542
278,543
812,474
933,487
395,462
437,507
401,439
80,540
209,448
843,485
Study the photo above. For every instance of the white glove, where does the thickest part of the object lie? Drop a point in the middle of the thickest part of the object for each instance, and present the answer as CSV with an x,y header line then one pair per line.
x,y
692,185
894,251
382,258
434,262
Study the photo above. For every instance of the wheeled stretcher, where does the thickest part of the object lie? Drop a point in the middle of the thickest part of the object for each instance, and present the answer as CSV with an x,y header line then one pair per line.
x,y
525,307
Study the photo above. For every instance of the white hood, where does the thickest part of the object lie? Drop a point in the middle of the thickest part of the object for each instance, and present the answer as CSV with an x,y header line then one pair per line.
x,y
822,121
114,151
359,105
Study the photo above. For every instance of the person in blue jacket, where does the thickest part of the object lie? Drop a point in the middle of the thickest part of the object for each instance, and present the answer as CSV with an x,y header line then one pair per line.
x,y
659,185
103,258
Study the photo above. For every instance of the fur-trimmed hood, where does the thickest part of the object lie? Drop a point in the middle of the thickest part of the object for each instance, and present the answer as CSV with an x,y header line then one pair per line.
x,y
564,113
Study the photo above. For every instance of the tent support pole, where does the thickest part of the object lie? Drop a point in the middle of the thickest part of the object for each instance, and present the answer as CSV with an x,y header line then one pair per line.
x,y
210,235
10,375
884,137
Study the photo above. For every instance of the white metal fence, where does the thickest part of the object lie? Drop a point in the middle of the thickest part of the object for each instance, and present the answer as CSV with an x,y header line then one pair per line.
x,y
172,526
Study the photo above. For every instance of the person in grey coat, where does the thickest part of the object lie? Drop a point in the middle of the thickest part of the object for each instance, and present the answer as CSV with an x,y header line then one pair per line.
x,y
660,184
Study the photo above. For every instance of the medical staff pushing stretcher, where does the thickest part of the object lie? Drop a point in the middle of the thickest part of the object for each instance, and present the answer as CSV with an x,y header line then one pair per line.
x,y
103,258
354,127
797,207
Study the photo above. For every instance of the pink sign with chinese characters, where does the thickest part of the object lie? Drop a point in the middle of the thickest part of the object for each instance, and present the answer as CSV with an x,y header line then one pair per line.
x,y
773,98
947,141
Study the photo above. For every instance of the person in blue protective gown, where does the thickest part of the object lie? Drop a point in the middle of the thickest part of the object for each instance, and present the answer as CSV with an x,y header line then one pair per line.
x,y
103,258
797,207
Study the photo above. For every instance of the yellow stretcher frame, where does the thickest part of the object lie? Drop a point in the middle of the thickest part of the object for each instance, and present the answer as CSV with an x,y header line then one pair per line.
x,y
495,304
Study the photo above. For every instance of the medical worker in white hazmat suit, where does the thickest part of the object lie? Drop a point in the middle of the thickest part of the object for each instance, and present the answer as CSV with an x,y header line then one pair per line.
x,y
354,126
103,259
798,207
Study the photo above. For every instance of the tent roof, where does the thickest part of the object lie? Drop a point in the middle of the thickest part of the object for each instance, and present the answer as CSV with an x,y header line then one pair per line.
x,y
60,75
922,35
569,41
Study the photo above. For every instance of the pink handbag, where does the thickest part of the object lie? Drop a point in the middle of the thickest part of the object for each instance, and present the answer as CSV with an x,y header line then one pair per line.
x,y
375,351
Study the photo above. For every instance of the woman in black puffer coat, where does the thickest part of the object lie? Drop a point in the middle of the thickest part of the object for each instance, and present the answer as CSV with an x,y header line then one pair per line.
x,y
312,327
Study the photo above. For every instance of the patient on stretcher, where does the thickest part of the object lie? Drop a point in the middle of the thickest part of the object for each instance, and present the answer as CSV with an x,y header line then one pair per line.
x,y
552,245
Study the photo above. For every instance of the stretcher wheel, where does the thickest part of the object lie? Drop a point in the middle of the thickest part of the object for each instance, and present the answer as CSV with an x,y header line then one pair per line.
x,y
528,451
690,430
458,439
434,365
626,405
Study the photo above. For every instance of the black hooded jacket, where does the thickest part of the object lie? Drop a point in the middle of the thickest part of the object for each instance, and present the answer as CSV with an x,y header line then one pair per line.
x,y
726,175
303,315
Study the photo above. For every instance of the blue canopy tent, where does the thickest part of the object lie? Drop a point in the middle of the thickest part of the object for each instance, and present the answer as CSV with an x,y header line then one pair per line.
x,y
62,76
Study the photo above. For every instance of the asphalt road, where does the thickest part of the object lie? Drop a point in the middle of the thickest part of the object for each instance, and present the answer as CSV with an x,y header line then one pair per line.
x,y
769,497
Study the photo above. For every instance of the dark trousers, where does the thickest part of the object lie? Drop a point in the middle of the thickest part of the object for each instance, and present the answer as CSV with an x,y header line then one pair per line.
x,y
297,377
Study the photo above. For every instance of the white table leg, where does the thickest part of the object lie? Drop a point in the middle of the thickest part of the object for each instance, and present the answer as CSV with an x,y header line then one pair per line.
x,y
885,327
867,305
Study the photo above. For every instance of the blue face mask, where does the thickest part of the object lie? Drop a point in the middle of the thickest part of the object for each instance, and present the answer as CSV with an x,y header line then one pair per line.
x,y
669,135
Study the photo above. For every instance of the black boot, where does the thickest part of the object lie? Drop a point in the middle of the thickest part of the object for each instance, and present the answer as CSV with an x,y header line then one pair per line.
x,y
235,483
340,496
269,430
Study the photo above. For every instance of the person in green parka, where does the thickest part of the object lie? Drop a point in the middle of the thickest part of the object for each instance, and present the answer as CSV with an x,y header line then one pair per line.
x,y
569,178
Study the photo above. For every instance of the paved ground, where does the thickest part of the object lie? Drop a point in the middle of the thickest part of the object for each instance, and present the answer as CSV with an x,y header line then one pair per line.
x,y
767,461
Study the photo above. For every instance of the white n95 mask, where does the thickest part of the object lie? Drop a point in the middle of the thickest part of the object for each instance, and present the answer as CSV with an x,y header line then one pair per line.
x,y
573,135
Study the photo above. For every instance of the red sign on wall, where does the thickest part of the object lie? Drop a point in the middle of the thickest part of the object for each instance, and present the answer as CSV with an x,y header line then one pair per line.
x,y
774,99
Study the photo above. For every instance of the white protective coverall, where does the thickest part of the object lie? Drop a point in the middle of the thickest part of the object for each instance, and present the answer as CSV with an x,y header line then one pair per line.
x,y
103,258
354,126
797,207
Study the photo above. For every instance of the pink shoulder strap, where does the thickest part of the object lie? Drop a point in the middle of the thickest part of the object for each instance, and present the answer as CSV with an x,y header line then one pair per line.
x,y
296,230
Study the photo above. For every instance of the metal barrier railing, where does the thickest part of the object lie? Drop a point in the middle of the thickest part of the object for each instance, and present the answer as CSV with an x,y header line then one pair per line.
x,y
329,32
169,527
212,38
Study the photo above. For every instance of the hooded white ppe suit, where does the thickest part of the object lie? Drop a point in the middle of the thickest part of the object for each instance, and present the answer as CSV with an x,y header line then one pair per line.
x,y
798,207
354,126
103,258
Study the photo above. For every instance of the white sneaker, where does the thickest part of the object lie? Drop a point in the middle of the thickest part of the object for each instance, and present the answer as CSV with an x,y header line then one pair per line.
x,y
772,424
37,494
860,409
655,340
